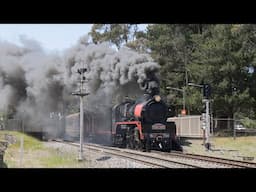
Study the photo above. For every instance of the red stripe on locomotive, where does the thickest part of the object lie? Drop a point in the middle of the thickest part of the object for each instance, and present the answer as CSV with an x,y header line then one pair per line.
x,y
137,123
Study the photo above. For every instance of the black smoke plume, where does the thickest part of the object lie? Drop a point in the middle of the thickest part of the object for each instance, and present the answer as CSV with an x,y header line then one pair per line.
x,y
37,85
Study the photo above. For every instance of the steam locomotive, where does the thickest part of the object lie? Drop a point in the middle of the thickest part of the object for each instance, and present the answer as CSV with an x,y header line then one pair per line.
x,y
142,124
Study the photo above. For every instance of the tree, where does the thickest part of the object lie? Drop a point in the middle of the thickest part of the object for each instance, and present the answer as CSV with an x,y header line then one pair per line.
x,y
171,45
222,57
117,34
139,42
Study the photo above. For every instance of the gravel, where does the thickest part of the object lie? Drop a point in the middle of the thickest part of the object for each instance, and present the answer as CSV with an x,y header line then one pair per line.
x,y
96,159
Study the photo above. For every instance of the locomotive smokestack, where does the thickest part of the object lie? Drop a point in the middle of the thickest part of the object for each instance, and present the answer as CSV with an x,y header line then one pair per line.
x,y
151,84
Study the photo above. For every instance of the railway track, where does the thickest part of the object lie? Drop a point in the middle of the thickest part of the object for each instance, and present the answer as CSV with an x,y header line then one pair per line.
x,y
161,162
156,162
195,160
229,163
169,160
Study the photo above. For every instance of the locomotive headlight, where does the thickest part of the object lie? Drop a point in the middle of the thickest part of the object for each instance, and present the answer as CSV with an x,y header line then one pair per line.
x,y
157,98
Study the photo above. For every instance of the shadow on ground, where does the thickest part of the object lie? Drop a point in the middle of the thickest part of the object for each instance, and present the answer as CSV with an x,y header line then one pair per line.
x,y
104,158
3,165
185,142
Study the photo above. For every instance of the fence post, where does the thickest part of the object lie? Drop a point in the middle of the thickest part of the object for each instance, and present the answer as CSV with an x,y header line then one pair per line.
x,y
228,123
189,125
181,126
234,130
212,124
21,150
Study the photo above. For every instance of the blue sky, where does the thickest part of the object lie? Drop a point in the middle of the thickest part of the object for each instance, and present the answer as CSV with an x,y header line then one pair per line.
x,y
52,37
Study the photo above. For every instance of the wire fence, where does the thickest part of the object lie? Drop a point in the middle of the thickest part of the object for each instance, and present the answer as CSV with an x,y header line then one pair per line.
x,y
230,127
194,127
13,125
53,128
187,126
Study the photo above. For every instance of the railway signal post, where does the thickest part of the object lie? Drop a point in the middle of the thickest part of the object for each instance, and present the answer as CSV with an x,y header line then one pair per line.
x,y
207,120
206,94
81,94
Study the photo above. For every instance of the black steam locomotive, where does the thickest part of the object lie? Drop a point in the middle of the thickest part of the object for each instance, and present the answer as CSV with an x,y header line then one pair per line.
x,y
142,124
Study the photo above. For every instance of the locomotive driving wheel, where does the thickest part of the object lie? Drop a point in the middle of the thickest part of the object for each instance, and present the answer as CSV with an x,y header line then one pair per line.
x,y
137,141
130,138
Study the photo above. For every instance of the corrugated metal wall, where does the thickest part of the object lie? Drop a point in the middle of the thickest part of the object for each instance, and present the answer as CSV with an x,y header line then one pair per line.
x,y
188,126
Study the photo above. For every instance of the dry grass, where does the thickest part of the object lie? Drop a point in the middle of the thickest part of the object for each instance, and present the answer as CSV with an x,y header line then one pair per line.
x,y
224,147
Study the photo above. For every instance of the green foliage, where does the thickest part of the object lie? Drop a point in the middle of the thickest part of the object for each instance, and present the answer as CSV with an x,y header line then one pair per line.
x,y
172,46
139,43
220,55
29,141
117,34
248,123
221,58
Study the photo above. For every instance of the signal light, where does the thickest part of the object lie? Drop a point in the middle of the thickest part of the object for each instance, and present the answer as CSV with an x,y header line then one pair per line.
x,y
203,121
207,90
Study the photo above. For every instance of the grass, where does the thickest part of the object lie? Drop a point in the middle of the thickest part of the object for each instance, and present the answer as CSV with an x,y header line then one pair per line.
x,y
59,159
37,155
225,147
